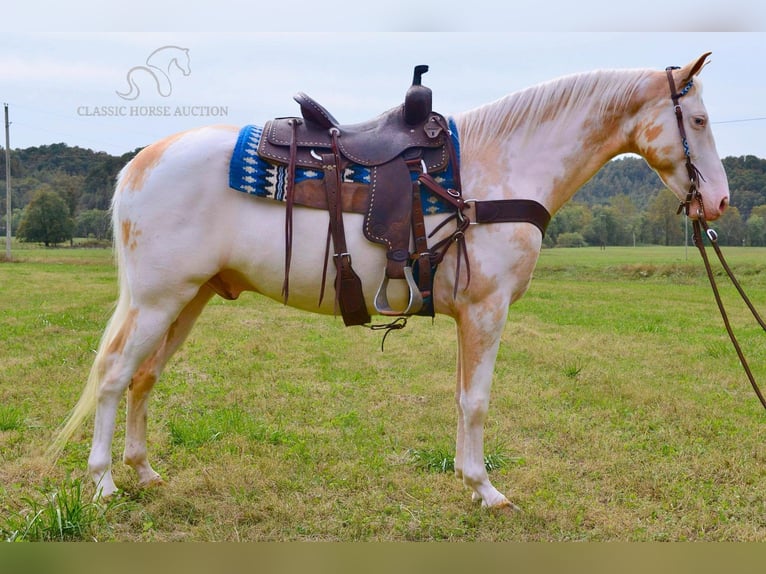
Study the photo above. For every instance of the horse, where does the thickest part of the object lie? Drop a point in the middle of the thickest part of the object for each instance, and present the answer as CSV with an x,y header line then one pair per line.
x,y
158,66
541,143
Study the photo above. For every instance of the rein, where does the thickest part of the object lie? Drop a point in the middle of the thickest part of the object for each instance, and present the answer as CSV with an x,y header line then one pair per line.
x,y
698,225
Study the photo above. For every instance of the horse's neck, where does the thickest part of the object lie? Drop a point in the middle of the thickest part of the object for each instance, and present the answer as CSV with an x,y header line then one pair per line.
x,y
544,143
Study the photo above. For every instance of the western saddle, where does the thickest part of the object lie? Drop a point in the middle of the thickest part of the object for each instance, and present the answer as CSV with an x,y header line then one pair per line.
x,y
401,149
396,147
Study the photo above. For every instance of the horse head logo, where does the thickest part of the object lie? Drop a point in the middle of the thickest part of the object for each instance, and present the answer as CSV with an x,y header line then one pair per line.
x,y
157,69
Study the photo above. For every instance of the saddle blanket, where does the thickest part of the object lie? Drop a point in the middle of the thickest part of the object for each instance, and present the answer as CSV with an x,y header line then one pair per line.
x,y
251,174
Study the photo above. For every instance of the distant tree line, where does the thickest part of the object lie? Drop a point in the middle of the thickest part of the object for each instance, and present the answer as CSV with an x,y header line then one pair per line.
x,y
60,192
625,203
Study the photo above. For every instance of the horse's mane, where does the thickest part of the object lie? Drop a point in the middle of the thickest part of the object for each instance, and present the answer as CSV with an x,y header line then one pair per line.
x,y
602,92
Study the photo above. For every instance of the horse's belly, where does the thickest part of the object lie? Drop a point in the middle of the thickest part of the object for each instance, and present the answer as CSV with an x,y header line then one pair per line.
x,y
258,255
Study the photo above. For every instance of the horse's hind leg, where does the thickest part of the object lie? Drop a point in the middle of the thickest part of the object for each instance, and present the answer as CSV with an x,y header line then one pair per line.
x,y
138,336
135,454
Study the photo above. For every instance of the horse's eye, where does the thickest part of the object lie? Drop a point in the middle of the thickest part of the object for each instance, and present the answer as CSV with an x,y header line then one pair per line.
x,y
700,121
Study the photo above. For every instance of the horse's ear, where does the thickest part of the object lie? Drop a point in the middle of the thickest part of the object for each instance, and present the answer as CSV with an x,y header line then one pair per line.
x,y
693,68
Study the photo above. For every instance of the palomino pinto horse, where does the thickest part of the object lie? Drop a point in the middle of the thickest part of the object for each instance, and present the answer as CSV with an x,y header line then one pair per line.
x,y
540,144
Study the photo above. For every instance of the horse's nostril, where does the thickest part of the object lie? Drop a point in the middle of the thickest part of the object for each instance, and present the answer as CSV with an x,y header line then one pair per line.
x,y
724,204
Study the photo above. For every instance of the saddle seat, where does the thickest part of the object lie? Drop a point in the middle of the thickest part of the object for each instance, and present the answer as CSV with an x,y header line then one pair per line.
x,y
397,146
371,143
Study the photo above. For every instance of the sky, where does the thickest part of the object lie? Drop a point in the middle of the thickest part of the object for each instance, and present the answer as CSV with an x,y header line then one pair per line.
x,y
66,86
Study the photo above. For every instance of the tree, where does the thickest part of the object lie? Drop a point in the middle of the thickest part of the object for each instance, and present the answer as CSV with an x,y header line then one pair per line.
x,y
69,187
759,210
572,218
94,223
663,224
15,221
604,228
628,218
46,219
756,230
730,227
571,239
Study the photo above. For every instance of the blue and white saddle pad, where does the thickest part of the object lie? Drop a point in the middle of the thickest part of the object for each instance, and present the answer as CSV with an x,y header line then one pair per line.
x,y
249,173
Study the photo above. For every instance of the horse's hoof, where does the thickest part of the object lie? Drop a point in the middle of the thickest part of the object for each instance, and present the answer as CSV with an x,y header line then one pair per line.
x,y
153,482
505,507
105,496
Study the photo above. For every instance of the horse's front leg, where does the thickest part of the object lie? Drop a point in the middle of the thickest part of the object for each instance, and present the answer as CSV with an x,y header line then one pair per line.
x,y
479,330
460,434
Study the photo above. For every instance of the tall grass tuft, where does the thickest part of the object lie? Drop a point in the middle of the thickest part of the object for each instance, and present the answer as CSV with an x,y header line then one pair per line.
x,y
442,460
572,370
62,514
436,459
11,417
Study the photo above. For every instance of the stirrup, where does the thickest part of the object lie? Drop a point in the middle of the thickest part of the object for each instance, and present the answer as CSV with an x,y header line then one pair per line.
x,y
414,304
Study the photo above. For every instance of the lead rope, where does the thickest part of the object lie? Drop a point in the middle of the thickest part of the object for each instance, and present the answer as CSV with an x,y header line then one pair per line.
x,y
698,224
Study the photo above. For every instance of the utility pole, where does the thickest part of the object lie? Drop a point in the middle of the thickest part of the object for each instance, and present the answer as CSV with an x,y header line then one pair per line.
x,y
8,214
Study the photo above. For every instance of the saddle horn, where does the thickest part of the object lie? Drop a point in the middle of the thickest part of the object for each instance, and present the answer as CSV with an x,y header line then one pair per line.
x,y
417,101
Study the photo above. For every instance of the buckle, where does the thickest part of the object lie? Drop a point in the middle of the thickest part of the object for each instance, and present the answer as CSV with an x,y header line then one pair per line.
x,y
344,254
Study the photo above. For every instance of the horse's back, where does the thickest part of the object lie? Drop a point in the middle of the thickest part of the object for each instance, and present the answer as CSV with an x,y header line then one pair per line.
x,y
181,151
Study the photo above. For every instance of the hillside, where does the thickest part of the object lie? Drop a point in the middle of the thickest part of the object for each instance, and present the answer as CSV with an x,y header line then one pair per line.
x,y
85,177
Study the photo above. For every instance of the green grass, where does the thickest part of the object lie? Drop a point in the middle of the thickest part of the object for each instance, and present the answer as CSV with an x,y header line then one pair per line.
x,y
11,417
619,412
59,513
442,459
191,430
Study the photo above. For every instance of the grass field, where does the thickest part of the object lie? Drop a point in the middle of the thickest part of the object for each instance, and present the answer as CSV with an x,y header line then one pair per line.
x,y
619,412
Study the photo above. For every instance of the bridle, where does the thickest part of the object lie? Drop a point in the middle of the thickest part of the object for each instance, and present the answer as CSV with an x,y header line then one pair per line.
x,y
691,169
699,223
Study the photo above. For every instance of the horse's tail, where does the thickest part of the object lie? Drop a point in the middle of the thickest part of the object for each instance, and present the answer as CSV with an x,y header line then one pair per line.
x,y
87,402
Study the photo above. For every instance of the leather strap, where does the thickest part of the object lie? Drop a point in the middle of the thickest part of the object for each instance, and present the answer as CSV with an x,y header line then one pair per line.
x,y
512,211
697,224
289,202
349,295
494,210
691,169
420,240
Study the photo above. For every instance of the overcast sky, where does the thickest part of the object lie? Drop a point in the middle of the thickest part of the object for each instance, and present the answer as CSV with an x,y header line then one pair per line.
x,y
60,85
